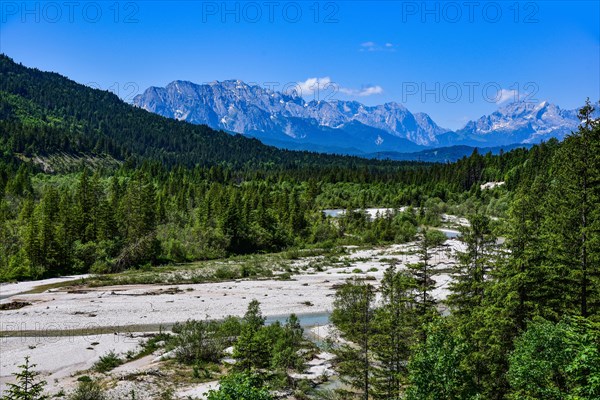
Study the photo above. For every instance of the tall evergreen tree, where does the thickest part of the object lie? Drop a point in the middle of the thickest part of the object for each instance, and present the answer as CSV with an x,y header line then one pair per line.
x,y
469,277
572,223
252,347
353,316
438,366
394,333
423,272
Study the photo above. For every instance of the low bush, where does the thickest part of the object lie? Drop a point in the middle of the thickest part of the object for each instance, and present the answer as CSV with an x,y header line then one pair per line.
x,y
108,362
88,390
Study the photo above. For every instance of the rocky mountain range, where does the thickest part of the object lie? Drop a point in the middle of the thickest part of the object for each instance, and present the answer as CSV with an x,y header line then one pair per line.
x,y
349,127
520,122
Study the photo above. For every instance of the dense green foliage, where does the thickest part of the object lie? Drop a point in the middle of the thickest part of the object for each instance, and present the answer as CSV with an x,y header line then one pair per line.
x,y
108,362
353,315
204,341
240,387
523,311
260,347
437,366
556,361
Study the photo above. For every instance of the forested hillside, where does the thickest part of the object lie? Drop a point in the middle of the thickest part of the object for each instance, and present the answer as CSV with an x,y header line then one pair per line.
x,y
43,113
129,187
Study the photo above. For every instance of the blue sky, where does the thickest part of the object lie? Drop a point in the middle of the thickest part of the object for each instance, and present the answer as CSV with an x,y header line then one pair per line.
x,y
454,60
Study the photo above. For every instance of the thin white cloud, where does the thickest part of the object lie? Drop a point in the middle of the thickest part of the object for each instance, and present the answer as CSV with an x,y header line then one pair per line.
x,y
505,95
373,46
314,85
362,92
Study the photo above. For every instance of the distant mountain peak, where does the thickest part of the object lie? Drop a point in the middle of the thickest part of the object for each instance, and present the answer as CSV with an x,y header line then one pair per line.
x,y
516,122
275,117
234,105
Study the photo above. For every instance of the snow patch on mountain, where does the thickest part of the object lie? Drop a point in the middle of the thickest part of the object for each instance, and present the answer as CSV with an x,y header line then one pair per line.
x,y
277,117
236,106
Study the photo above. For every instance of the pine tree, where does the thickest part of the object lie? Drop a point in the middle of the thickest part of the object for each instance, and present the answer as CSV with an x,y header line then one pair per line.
x,y
423,272
138,208
469,290
66,230
233,227
27,386
517,290
253,317
86,198
32,248
353,316
471,273
285,349
572,223
523,284
394,333
437,366
252,348
5,250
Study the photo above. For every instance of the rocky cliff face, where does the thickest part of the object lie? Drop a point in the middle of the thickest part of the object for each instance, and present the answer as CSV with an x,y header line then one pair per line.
x,y
238,107
287,120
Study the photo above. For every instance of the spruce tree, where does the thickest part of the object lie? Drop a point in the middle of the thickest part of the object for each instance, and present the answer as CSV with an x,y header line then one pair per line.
x,y
572,223
394,333
470,275
469,290
353,316
423,272
27,386
438,366
252,347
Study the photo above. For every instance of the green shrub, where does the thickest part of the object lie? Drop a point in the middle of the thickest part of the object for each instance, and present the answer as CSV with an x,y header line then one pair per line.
x,y
229,329
90,390
240,387
198,341
101,267
107,362
286,276
226,273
